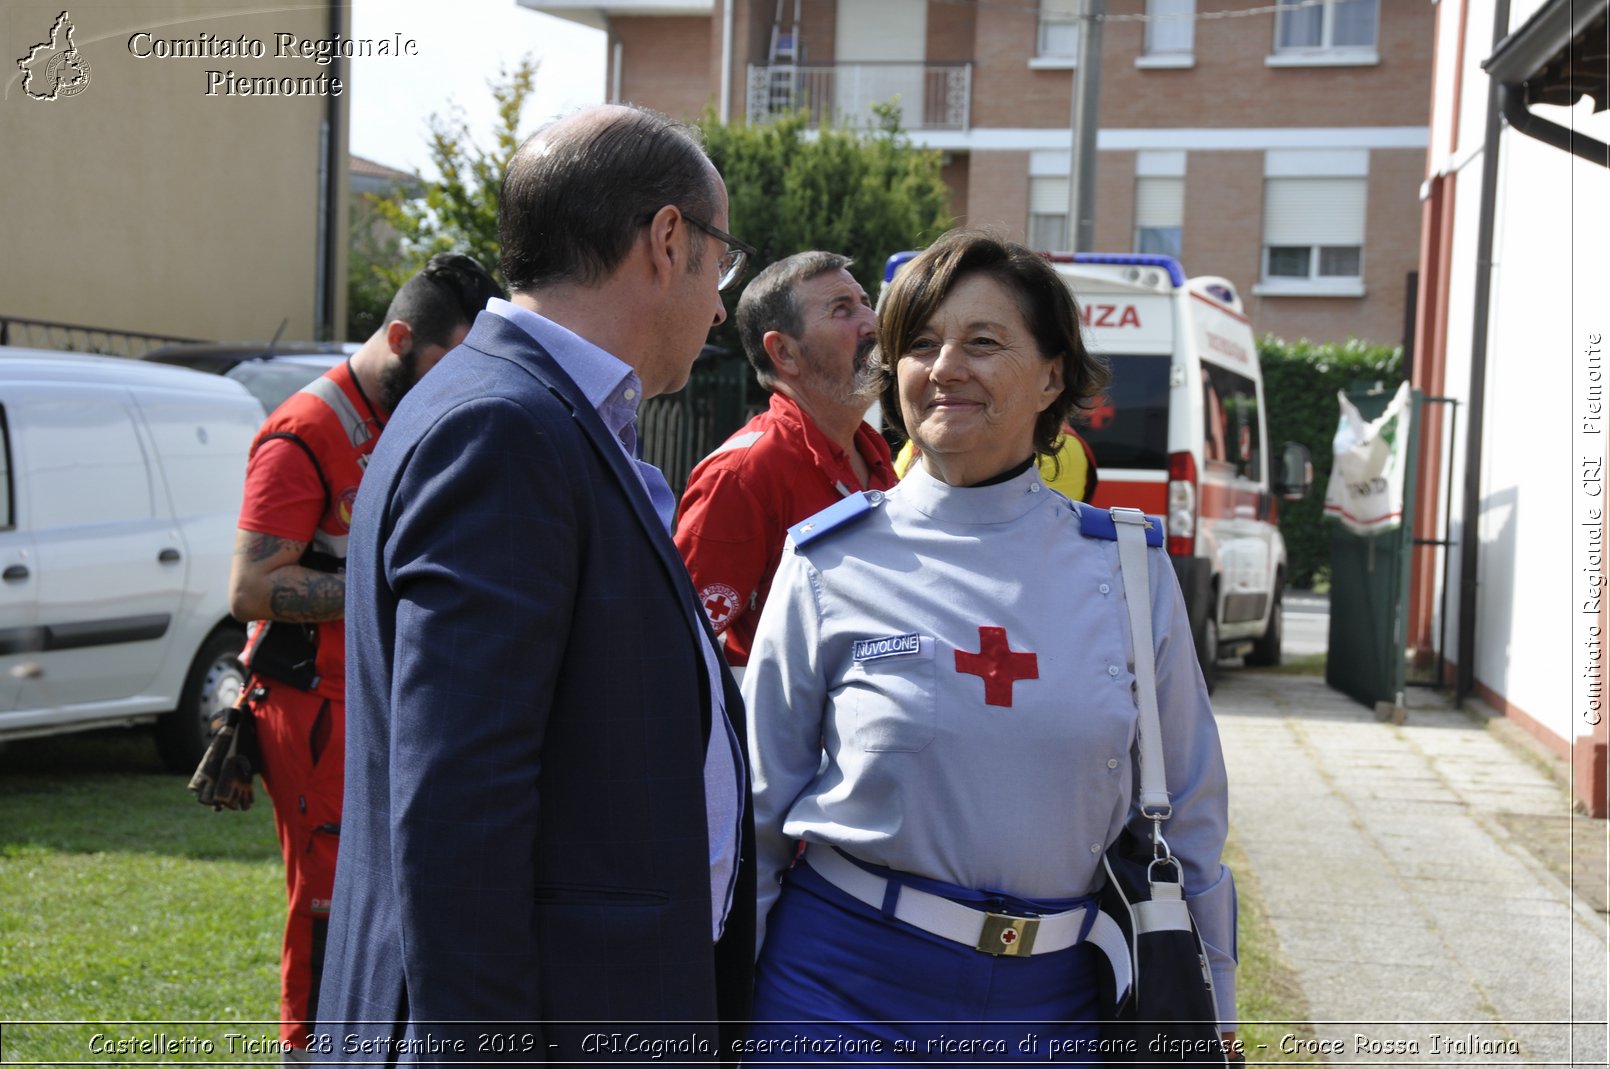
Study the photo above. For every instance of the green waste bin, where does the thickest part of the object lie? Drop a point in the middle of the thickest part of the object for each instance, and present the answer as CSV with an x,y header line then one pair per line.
x,y
1369,598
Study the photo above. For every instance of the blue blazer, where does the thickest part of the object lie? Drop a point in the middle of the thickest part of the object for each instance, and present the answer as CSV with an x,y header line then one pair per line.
x,y
524,846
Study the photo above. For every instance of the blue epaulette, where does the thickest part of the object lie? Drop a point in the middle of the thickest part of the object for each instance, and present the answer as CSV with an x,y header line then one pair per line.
x,y
1098,523
835,516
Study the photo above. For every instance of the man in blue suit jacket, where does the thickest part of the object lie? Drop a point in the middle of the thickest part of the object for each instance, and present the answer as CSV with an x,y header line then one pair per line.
x,y
546,849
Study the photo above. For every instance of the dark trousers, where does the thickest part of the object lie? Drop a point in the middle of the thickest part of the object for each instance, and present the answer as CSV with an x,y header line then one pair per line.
x,y
838,982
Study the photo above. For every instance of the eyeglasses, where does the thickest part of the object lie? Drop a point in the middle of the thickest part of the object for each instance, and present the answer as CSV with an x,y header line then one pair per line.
x,y
733,260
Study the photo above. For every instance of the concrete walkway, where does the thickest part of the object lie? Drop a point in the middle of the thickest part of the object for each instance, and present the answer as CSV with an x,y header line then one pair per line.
x,y
1395,864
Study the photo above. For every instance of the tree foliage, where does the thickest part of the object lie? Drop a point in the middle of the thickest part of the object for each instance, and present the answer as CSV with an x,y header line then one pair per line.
x,y
793,187
1300,383
457,212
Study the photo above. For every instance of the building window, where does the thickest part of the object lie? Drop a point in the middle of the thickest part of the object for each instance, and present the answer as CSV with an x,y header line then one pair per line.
x,y
1313,235
1170,27
1048,214
1059,29
1331,26
1313,262
1159,215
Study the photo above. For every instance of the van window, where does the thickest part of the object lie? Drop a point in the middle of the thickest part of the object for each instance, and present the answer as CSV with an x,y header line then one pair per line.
x,y
86,463
1128,428
8,495
1231,445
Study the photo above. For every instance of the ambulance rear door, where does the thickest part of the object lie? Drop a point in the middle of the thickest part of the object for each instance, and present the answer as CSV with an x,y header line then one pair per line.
x,y
1235,527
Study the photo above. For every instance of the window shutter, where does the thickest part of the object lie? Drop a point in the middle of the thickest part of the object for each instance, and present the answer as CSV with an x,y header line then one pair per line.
x,y
1060,10
1159,202
1048,196
1170,35
1313,211
1059,27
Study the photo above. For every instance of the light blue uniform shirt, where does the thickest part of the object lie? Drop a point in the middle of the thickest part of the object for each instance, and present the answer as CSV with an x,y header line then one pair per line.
x,y
614,390
944,685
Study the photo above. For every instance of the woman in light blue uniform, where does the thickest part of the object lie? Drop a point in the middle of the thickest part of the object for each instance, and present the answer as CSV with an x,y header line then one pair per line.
x,y
942,708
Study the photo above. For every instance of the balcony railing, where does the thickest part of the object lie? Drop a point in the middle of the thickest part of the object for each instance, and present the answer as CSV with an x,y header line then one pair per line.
x,y
930,96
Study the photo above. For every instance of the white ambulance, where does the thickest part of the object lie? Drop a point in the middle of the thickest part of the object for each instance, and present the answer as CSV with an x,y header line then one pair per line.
x,y
1181,433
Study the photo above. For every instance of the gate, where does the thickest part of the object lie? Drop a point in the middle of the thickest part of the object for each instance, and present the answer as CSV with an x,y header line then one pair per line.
x,y
678,430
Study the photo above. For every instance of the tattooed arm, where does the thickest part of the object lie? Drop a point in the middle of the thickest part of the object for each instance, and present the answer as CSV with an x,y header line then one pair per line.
x,y
267,583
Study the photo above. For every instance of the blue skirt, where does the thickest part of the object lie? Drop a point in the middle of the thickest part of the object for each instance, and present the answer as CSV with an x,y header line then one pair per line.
x,y
838,982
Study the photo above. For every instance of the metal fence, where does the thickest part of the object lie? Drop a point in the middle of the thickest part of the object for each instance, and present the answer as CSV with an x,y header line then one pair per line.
x,y
678,430
931,96
74,337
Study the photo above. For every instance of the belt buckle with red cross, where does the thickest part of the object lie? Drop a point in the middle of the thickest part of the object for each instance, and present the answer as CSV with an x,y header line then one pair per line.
x,y
1008,936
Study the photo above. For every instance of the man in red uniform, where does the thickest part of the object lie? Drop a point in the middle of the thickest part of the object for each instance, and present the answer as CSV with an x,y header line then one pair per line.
x,y
809,330
287,580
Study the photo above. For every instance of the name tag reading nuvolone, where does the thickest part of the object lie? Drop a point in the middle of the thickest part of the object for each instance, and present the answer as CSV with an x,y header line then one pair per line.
x,y
876,649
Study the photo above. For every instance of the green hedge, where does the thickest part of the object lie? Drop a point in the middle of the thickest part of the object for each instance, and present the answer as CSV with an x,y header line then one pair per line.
x,y
1300,382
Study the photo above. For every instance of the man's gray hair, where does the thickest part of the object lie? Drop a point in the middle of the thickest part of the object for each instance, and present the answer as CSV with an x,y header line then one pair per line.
x,y
770,303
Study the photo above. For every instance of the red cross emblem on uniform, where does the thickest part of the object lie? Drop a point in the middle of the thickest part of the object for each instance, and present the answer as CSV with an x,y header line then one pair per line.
x,y
720,603
997,665
1008,936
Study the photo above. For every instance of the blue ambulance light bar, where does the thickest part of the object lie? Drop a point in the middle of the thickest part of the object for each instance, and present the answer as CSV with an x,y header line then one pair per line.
x,y
1176,273
895,263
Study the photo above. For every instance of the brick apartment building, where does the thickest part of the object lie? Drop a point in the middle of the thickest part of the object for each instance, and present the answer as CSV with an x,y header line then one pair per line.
x,y
1282,149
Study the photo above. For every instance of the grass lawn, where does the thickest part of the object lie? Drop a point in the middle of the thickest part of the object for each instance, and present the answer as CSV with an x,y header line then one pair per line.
x,y
126,906
1267,993
125,901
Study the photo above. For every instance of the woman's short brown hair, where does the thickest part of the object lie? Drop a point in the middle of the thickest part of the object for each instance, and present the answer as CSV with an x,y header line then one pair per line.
x,y
1043,298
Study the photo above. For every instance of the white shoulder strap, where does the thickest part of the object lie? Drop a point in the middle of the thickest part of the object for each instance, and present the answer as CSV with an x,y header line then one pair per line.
x,y
1131,526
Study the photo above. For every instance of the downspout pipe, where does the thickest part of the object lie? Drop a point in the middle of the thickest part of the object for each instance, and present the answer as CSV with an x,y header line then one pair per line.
x,y
334,152
1524,121
726,60
1470,535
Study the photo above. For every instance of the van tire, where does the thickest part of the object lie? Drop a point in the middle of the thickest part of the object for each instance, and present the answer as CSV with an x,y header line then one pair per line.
x,y
1207,649
215,680
1265,652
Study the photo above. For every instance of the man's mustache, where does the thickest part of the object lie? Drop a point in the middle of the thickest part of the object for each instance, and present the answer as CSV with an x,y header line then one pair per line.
x,y
863,350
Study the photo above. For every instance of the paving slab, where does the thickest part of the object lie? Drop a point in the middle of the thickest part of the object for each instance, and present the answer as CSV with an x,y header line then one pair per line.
x,y
1427,881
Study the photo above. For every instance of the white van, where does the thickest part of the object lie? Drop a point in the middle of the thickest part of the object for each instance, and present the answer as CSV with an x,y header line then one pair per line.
x,y
1182,434
120,489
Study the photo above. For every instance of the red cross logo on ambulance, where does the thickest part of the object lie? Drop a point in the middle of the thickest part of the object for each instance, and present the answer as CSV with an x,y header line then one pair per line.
x,y
720,602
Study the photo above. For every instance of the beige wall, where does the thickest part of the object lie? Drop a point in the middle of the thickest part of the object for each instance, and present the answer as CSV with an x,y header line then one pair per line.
x,y
954,174
665,64
998,192
1223,232
1115,201
1229,86
143,204
1391,251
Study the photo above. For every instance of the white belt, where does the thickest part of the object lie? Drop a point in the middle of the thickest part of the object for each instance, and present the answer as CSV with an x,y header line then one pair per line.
x,y
991,933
